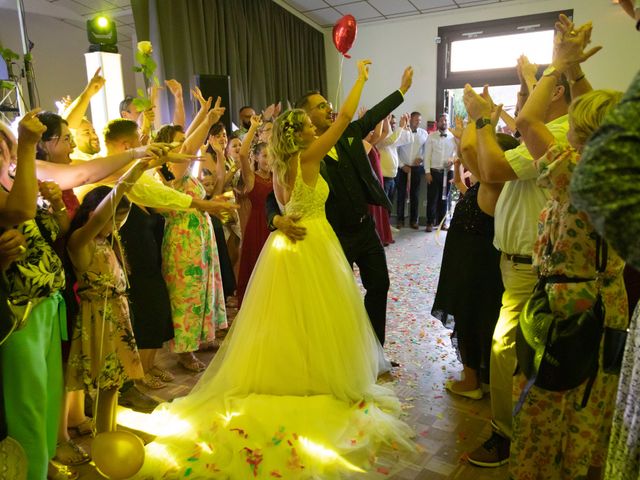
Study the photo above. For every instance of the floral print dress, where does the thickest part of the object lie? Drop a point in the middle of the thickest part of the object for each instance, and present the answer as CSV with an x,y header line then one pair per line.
x,y
191,270
103,326
553,437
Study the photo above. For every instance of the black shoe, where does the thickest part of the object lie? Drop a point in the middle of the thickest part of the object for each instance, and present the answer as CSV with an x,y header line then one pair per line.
x,y
394,363
492,453
136,400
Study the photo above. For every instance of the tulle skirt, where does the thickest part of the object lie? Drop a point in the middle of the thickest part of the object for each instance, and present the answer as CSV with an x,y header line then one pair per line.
x,y
292,392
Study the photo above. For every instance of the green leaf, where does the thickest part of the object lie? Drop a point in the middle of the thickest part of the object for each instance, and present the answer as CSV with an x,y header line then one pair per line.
x,y
156,82
141,93
140,57
6,85
141,104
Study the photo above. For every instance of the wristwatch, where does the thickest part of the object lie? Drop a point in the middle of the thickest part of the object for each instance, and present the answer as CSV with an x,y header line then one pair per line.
x,y
481,122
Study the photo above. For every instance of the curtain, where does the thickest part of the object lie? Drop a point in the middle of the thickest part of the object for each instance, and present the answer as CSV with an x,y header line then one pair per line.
x,y
269,54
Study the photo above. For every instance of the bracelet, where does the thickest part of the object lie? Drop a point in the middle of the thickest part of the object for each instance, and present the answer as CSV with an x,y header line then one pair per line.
x,y
58,212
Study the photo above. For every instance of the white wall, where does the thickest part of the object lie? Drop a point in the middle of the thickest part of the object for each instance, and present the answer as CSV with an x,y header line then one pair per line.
x,y
392,45
58,55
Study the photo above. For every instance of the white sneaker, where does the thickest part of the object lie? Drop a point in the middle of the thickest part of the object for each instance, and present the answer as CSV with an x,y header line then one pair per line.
x,y
394,229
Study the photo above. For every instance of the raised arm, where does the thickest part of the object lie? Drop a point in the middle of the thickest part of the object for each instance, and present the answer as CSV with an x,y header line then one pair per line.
x,y
568,51
175,88
19,204
198,136
92,171
578,82
204,108
492,163
248,175
80,243
325,142
74,113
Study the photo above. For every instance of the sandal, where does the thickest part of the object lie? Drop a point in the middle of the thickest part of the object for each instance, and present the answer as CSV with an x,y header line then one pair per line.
x,y
192,364
55,471
164,375
70,453
82,429
153,382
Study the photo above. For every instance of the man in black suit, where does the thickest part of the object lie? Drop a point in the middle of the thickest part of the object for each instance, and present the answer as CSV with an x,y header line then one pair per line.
x,y
353,186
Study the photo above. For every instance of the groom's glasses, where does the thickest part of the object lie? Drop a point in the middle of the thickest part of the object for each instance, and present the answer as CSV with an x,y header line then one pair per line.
x,y
324,106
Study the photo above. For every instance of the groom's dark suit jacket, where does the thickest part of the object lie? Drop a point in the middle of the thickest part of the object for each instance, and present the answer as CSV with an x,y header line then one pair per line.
x,y
352,182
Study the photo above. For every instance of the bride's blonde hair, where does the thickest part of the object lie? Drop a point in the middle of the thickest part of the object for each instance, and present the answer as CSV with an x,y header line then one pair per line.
x,y
285,142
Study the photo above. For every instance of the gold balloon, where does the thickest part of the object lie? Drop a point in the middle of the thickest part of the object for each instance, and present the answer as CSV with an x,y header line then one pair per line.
x,y
117,455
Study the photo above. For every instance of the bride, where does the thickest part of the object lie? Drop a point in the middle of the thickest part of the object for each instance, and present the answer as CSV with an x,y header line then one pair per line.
x,y
292,392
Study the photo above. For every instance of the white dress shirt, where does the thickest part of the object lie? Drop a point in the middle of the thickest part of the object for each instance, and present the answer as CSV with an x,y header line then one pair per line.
x,y
439,151
412,153
388,149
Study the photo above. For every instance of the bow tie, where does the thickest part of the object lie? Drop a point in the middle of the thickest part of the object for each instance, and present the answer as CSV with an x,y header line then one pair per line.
x,y
443,134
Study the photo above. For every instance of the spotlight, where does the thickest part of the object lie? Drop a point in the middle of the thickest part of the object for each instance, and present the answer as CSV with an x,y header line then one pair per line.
x,y
102,34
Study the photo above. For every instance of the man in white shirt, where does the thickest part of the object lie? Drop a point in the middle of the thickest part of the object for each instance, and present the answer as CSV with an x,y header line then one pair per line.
x,y
411,157
388,149
516,229
440,152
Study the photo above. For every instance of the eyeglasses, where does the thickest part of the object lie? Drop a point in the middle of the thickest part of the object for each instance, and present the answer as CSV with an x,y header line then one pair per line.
x,y
324,106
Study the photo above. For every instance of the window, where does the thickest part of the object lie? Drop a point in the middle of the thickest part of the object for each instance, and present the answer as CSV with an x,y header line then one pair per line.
x,y
486,53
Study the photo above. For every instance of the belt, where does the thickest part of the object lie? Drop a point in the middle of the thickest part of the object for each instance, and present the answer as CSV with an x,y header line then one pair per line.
x,y
519,258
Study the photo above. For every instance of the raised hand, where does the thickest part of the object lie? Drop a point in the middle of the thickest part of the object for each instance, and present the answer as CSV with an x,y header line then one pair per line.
x,y
256,121
363,69
407,80
151,150
174,86
404,120
269,112
30,128
215,114
570,43
96,83
197,95
457,130
63,104
525,69
477,105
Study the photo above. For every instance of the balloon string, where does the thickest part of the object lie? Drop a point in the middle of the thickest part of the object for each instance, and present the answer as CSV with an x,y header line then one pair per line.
x,y
339,82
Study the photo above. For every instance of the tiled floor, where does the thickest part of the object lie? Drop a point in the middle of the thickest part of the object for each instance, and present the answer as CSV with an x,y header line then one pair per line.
x,y
446,426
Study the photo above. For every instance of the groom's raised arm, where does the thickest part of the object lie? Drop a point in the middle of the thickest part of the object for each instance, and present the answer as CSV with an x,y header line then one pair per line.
x,y
374,115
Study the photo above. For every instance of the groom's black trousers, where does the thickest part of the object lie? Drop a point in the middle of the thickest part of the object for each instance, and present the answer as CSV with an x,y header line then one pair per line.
x,y
362,246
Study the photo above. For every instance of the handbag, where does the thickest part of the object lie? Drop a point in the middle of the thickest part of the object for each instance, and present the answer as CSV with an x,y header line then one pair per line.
x,y
560,353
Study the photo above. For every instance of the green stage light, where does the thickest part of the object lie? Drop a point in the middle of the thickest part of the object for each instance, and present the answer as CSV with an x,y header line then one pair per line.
x,y
102,34
102,22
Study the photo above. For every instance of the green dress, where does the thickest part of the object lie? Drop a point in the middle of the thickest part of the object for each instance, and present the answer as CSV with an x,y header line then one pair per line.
x,y
191,270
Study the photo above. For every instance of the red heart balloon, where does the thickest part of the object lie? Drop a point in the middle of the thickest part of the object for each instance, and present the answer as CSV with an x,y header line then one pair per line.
x,y
344,34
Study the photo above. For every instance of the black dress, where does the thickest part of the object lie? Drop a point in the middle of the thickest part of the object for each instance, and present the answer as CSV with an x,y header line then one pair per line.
x,y
148,297
470,287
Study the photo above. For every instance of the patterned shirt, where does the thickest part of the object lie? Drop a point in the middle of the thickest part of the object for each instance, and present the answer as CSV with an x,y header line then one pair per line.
x,y
606,181
39,272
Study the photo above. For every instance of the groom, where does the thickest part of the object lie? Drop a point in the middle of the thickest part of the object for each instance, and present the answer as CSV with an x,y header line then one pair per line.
x,y
353,186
